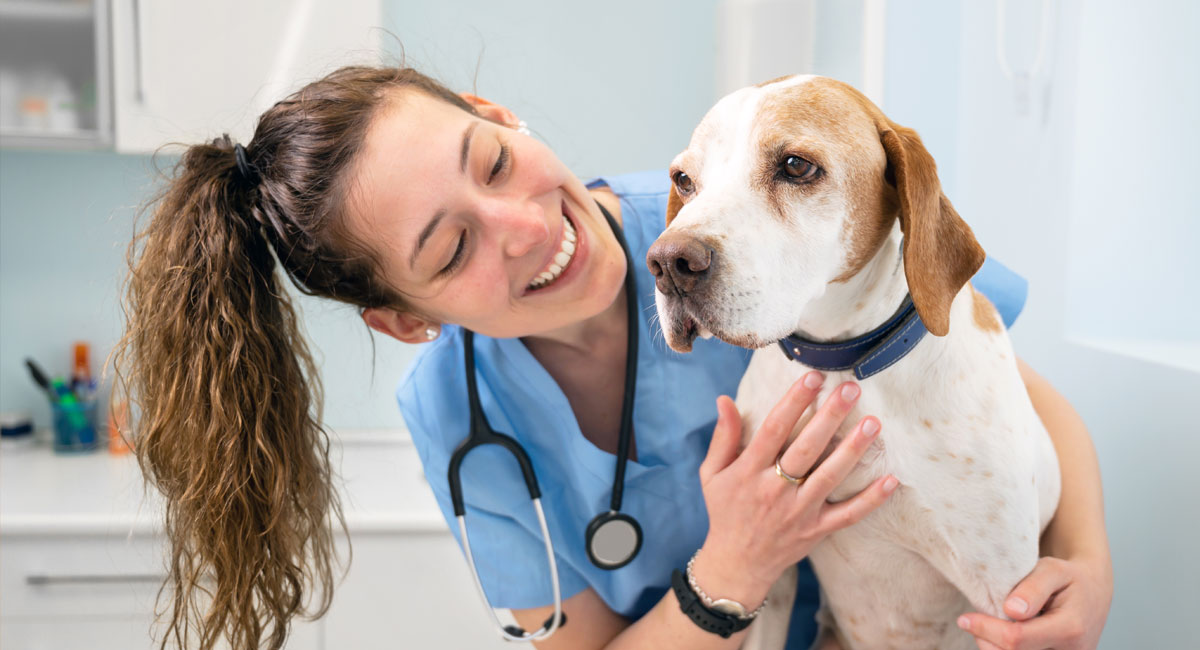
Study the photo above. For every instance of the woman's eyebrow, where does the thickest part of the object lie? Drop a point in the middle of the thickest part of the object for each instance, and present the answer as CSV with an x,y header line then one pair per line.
x,y
424,236
466,147
462,167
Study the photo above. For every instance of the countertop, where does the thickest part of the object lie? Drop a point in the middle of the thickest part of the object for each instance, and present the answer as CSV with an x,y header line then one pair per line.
x,y
378,475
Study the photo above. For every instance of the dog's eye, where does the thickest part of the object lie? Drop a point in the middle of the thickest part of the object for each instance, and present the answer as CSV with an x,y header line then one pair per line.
x,y
683,183
799,169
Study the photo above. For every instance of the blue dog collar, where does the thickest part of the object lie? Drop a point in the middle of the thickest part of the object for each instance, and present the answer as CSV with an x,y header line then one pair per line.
x,y
867,354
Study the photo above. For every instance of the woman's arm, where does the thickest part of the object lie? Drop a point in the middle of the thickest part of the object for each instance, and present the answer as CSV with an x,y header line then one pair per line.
x,y
1064,602
1077,529
759,524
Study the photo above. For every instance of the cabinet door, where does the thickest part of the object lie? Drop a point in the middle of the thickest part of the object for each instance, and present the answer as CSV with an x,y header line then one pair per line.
x,y
187,72
61,592
409,590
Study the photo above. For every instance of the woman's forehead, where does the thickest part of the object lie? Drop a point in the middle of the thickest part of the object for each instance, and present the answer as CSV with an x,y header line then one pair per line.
x,y
409,165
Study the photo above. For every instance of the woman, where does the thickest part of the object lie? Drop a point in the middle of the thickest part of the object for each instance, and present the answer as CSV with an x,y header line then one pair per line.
x,y
457,236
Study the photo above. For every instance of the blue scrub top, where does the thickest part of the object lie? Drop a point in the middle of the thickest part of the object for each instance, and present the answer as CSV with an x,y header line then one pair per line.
x,y
674,415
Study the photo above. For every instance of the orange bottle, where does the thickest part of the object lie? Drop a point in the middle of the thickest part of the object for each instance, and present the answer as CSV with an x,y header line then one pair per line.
x,y
81,375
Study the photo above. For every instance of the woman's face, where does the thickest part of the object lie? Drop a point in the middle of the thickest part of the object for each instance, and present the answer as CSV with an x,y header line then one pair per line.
x,y
472,222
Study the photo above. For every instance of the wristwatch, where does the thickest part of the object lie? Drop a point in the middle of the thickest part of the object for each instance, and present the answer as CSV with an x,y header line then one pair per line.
x,y
722,616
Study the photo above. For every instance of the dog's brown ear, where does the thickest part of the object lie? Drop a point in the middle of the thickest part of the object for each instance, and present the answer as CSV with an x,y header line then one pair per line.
x,y
940,251
674,203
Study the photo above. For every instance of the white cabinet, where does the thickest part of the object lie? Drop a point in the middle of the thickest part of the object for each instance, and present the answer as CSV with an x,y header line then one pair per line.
x,y
188,71
140,74
82,557
54,74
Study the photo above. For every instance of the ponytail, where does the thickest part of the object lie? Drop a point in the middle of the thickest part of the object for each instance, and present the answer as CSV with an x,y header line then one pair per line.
x,y
229,430
213,357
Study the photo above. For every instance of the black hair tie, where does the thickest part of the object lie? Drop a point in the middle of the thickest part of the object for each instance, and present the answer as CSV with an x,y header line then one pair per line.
x,y
247,172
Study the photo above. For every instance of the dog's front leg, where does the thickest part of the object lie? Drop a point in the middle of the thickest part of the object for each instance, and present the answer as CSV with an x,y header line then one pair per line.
x,y
770,629
983,552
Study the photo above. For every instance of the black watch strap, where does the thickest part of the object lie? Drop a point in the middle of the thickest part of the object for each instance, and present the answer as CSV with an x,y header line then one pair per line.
x,y
708,620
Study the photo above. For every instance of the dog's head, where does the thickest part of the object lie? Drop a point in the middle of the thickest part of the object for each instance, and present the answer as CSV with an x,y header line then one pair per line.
x,y
787,188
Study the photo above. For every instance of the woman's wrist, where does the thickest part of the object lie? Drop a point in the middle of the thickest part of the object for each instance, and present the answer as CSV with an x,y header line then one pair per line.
x,y
722,576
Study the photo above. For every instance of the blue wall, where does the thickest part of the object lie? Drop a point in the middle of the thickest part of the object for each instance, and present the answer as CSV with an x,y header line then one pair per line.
x,y
611,90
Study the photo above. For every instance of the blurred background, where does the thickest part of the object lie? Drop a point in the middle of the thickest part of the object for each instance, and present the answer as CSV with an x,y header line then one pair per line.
x,y
1065,133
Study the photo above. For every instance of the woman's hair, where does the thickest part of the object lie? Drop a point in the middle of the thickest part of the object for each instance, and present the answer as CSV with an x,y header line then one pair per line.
x,y
214,359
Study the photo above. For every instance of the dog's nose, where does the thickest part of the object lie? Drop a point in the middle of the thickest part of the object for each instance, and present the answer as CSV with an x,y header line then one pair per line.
x,y
679,262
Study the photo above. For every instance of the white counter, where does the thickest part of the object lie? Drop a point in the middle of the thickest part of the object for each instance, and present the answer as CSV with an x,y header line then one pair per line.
x,y
378,475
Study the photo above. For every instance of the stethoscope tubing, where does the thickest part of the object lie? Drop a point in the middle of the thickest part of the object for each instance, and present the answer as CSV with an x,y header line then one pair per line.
x,y
542,632
481,433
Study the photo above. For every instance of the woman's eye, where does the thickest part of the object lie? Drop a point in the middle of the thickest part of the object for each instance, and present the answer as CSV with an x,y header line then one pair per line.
x,y
501,161
799,169
458,256
683,183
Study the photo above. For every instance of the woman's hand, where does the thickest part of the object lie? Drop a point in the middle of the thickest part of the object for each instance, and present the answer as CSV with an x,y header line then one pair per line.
x,y
1061,604
760,523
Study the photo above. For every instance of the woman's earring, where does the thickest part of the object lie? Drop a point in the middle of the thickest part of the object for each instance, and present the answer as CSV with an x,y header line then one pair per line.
x,y
522,127
431,333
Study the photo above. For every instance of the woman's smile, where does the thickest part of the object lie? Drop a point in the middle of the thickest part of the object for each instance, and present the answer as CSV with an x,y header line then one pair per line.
x,y
554,272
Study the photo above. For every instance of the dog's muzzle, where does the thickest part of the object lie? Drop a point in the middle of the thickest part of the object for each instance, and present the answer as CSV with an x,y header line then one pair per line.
x,y
681,264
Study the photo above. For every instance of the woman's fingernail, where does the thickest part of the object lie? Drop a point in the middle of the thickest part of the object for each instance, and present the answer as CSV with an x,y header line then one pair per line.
x,y
890,484
964,622
850,392
813,380
1018,605
870,428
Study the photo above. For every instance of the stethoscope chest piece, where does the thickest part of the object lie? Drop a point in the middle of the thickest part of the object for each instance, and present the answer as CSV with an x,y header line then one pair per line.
x,y
613,540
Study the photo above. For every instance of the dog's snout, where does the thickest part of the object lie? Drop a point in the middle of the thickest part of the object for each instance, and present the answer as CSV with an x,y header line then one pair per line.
x,y
679,262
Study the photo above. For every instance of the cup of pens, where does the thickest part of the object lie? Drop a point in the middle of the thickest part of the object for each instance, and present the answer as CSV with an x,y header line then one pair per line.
x,y
74,425
73,407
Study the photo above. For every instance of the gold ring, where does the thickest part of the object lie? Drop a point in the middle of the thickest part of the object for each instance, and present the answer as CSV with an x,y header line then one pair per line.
x,y
794,480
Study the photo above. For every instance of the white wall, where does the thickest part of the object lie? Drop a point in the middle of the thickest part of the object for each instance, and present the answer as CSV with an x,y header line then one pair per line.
x,y
1087,195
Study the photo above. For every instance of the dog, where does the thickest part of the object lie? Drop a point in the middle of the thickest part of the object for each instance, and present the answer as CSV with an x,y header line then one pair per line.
x,y
799,208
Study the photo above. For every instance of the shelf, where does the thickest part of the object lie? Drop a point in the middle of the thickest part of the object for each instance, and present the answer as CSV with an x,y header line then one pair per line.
x,y
46,11
1176,354
30,139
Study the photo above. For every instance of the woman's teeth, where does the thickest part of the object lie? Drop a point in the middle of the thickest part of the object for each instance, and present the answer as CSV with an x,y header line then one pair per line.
x,y
561,258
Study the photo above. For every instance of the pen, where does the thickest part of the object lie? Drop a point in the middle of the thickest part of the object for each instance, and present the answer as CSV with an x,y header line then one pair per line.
x,y
40,378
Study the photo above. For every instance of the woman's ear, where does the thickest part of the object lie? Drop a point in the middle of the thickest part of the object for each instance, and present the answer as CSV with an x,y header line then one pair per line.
x,y
401,326
489,110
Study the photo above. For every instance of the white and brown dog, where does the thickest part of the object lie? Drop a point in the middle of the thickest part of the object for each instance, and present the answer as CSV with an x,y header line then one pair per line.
x,y
799,208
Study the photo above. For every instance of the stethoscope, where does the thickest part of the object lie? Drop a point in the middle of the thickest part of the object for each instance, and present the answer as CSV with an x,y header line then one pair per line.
x,y
612,538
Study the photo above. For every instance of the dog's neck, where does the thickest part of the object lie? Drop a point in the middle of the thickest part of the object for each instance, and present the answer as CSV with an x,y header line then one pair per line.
x,y
861,303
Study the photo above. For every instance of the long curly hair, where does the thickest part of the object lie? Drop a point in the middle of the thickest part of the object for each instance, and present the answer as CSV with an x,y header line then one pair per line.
x,y
214,360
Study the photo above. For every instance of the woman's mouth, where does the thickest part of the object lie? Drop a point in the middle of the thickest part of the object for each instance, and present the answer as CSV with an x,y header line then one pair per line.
x,y
560,262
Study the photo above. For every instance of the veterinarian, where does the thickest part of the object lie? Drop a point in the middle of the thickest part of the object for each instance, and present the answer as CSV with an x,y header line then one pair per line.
x,y
437,214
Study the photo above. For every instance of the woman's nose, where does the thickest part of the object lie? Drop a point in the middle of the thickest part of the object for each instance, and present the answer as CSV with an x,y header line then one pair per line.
x,y
521,226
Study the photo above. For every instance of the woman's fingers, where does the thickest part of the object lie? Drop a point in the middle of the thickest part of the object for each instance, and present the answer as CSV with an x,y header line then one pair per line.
x,y
1034,634
764,447
1049,576
834,469
836,516
726,440
800,456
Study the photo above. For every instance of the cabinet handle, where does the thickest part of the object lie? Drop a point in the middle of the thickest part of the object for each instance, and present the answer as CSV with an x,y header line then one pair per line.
x,y
42,580
139,90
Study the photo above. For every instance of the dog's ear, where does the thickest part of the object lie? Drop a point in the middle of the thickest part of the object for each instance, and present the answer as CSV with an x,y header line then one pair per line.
x,y
940,251
674,203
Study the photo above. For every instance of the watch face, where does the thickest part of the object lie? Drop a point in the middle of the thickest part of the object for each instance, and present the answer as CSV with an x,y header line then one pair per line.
x,y
731,607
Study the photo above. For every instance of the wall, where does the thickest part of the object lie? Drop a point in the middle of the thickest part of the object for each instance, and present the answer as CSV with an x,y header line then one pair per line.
x,y
1085,195
611,89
